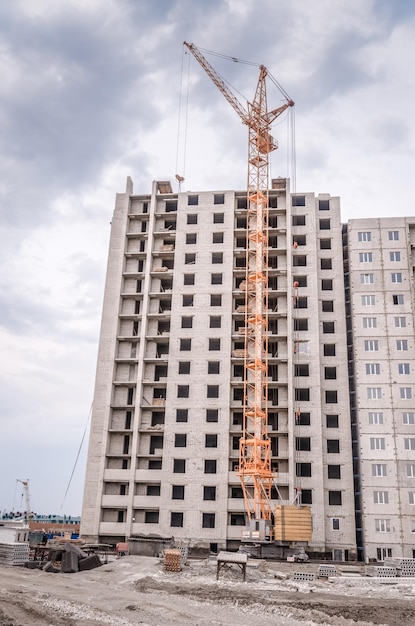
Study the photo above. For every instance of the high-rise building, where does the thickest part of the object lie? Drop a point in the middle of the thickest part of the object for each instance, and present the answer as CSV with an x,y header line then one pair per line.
x,y
168,403
380,306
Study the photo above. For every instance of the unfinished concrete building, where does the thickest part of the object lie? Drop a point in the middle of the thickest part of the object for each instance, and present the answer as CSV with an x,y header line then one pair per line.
x,y
168,404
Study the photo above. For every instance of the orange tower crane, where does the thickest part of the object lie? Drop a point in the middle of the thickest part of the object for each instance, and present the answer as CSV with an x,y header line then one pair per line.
x,y
255,447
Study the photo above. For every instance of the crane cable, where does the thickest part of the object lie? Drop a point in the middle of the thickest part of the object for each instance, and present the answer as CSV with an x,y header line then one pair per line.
x,y
77,456
180,177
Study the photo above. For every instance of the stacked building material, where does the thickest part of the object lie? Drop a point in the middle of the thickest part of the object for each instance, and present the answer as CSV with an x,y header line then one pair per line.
x,y
380,571
404,567
173,560
14,553
324,571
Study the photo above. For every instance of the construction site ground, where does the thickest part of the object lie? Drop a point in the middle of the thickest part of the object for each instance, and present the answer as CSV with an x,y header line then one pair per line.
x,y
134,590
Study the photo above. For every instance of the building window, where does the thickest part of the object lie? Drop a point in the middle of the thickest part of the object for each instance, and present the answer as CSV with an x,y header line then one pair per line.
x,y
189,279
327,306
300,240
181,415
184,368
298,201
364,236
210,466
185,345
367,279
368,300
216,279
370,322
180,440
411,495
324,224
409,443
217,257
323,205
211,441
379,469
398,298
214,343
176,520
300,302
329,349
209,493
212,415
400,322
213,367
177,492
372,369
302,394
151,517
187,300
408,418
375,417
179,466
382,526
302,419
405,393
215,321
333,446
215,299
192,200
332,421
191,238
300,324
298,220
334,471
374,393
371,345
183,390
192,218
330,373
217,237
377,443
380,497
365,257
303,469
301,280
327,284
328,328
187,321
301,369
393,235
219,198
325,244
190,258
218,218
212,391
410,470
335,523
394,256
335,498
326,264
303,444
331,396
208,520
396,277
402,345
300,260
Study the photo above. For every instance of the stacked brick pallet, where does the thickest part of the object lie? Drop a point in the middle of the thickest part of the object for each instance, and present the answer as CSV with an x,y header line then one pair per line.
x,y
173,560
304,576
380,571
404,567
324,571
14,553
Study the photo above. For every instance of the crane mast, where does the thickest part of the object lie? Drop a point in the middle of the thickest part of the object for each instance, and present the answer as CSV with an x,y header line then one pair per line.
x,y
25,484
255,471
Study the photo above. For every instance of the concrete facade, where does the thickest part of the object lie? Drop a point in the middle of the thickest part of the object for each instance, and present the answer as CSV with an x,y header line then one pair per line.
x,y
167,416
381,259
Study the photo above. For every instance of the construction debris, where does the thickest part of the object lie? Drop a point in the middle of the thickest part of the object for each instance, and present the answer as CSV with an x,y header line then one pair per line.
x,y
67,559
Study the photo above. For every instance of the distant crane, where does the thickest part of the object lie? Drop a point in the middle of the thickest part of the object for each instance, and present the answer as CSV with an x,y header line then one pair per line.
x,y
25,484
255,471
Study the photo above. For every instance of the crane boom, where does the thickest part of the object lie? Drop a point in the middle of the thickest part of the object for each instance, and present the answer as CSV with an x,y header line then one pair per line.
x,y
254,471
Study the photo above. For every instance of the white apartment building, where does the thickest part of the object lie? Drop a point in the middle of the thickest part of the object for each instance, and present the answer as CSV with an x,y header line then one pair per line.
x,y
167,414
381,279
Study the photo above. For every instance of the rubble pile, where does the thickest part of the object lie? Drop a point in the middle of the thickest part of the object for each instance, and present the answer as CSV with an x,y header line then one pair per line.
x,y
68,559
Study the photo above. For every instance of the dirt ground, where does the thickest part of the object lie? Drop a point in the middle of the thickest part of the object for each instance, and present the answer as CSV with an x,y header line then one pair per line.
x,y
136,590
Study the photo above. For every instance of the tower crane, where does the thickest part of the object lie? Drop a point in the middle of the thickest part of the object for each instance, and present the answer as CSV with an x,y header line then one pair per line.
x,y
25,484
254,471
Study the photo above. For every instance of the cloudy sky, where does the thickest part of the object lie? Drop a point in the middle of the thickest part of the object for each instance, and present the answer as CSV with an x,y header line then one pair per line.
x,y
90,93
